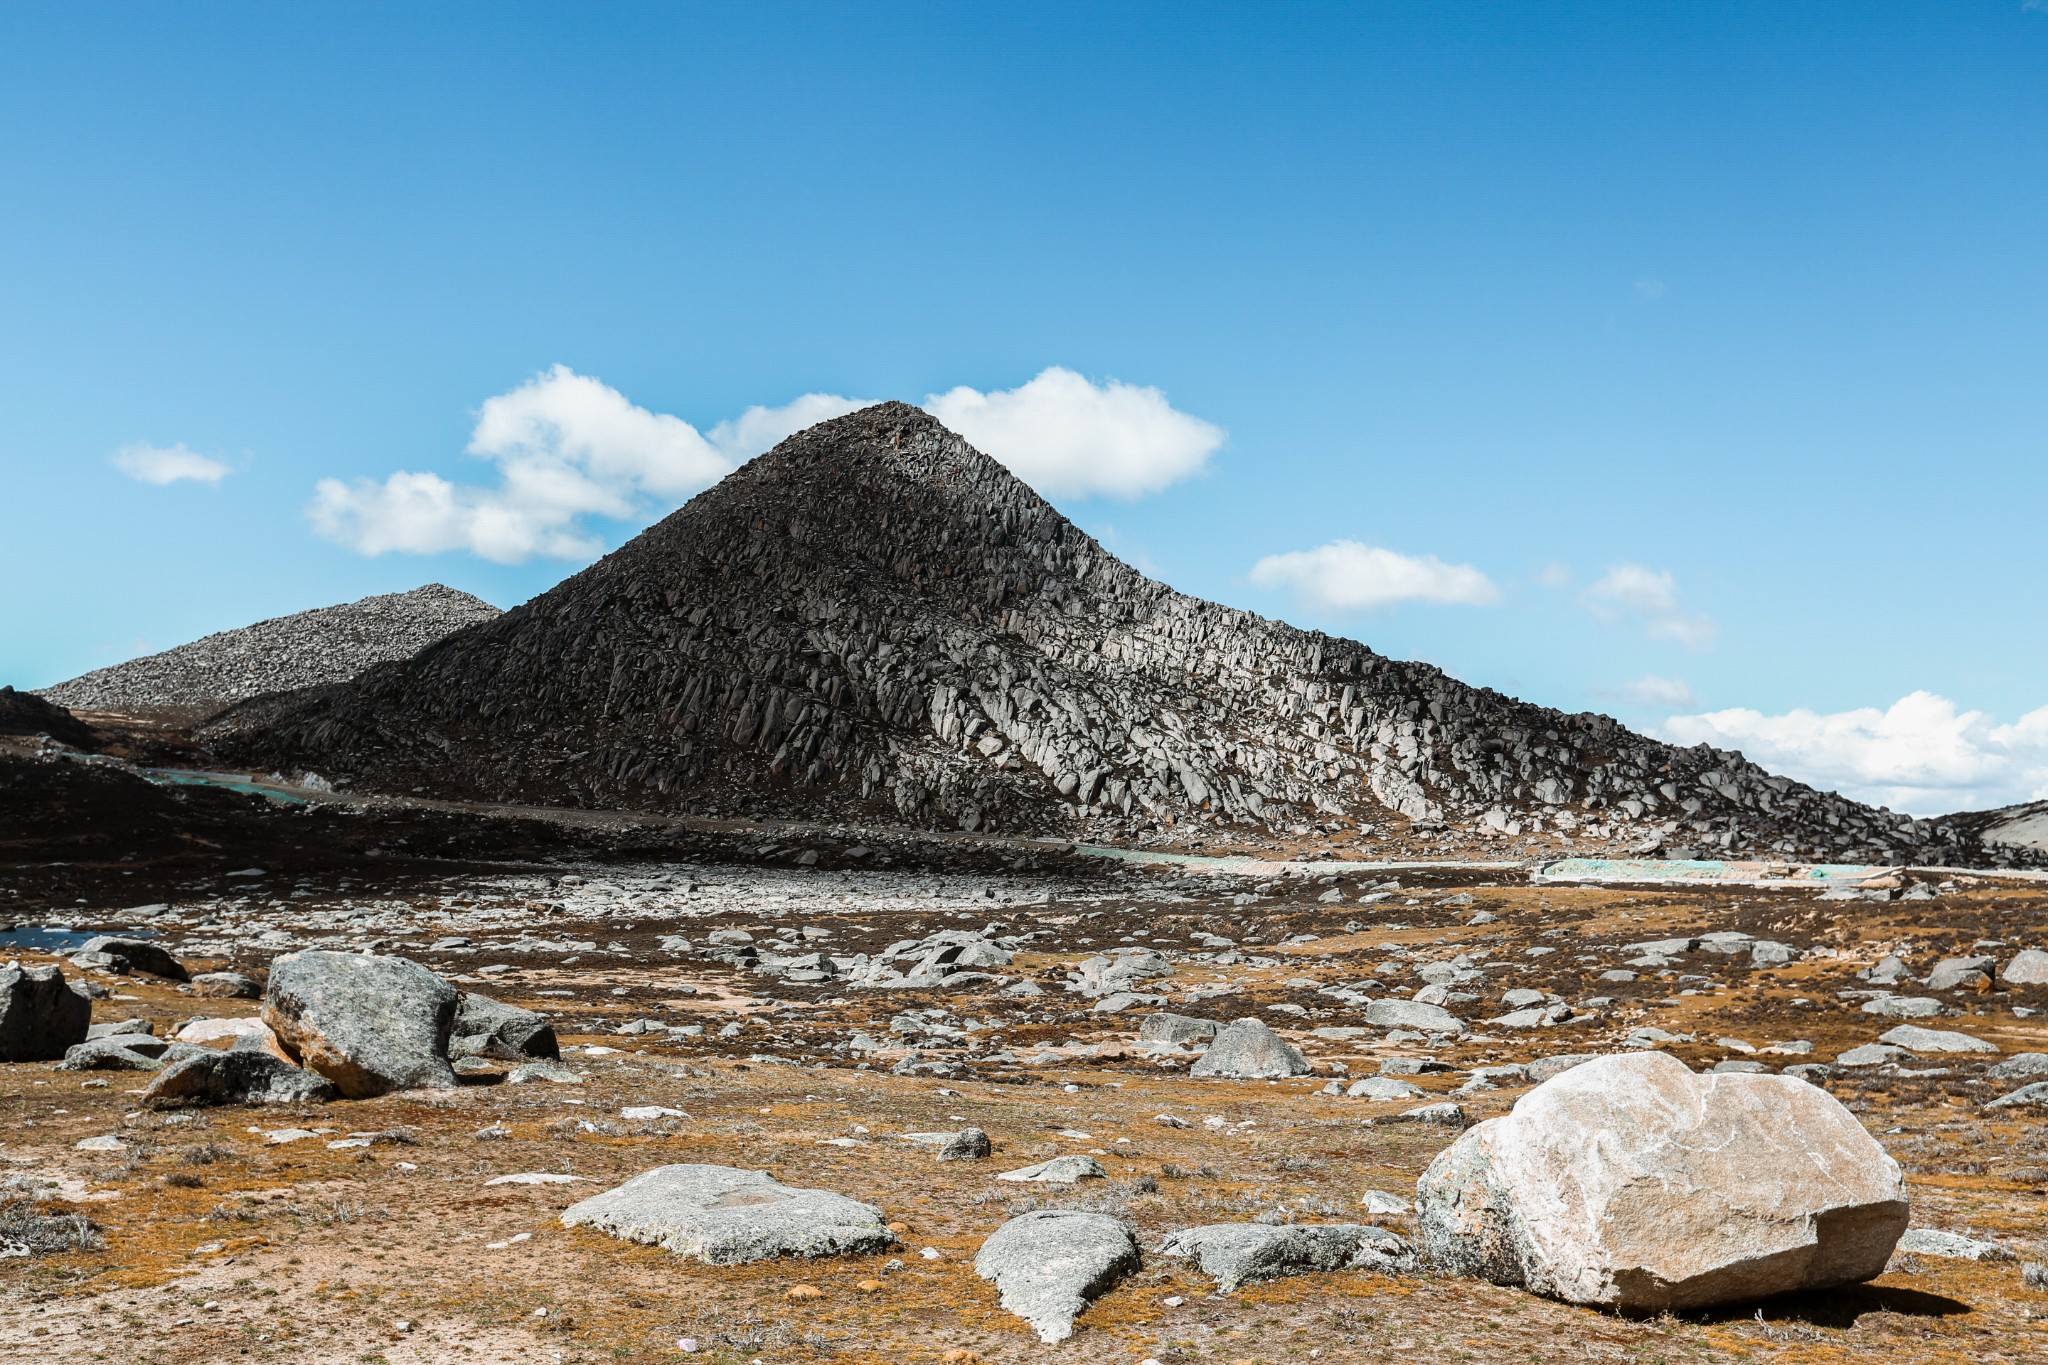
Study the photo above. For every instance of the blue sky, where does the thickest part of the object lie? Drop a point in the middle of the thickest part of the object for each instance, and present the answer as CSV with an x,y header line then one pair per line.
x,y
1676,361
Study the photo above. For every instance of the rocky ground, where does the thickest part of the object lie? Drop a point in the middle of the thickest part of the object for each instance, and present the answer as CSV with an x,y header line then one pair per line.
x,y
789,1004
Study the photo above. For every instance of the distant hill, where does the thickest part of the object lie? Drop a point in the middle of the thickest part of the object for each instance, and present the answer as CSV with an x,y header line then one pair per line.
x,y
874,620
326,645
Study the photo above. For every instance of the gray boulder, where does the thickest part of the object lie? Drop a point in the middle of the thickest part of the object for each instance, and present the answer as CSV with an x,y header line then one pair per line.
x,y
1412,1014
1870,1054
2033,1096
40,1014
726,1216
1235,1254
1175,1029
542,1071
117,1052
1956,973
2019,1066
1632,1184
1050,1264
237,1076
130,956
490,1028
1247,1050
369,1024
1383,1089
227,986
1904,1006
120,1028
1913,1038
2029,967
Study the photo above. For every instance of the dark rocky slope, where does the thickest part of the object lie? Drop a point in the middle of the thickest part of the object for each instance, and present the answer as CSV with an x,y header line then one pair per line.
x,y
876,621
307,648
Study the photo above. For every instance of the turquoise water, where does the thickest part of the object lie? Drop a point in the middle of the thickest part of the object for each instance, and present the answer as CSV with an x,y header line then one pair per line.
x,y
179,777
58,939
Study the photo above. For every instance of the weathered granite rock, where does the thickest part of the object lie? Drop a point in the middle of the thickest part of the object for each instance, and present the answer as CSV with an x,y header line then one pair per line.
x,y
1631,1183
1913,1038
1961,973
237,1076
1235,1254
1175,1029
2029,967
1384,1089
1058,1171
116,1052
725,1216
2020,1065
40,1014
1412,1014
2033,1096
1050,1264
369,1024
1246,1049
227,986
490,1028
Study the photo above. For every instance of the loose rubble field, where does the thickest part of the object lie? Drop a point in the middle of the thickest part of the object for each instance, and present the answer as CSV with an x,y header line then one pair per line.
x,y
370,1230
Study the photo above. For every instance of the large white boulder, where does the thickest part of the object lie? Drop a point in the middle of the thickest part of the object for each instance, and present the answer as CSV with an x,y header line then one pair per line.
x,y
1633,1184
725,1216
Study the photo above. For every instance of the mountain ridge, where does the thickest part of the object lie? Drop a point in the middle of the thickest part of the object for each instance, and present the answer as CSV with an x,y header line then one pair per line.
x,y
875,620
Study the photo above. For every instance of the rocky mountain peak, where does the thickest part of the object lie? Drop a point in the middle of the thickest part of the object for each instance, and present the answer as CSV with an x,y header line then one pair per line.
x,y
876,621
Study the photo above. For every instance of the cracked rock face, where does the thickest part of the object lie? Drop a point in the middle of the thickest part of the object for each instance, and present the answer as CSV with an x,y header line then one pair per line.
x,y
875,621
1050,1264
1632,1184
306,649
369,1024
726,1216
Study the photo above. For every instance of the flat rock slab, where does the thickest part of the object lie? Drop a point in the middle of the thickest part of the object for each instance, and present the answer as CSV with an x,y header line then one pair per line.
x,y
1383,1088
1059,1170
726,1216
1050,1264
1914,1038
1235,1254
1412,1014
1248,1050
1630,1183
369,1024
1951,1245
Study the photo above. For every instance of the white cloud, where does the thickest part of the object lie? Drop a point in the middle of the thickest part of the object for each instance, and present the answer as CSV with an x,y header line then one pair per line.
x,y
1347,576
566,447
1919,755
1650,597
1655,690
759,429
1068,437
1554,575
167,464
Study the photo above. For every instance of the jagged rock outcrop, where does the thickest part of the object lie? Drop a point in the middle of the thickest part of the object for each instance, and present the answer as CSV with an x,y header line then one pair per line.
x,y
305,649
875,621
